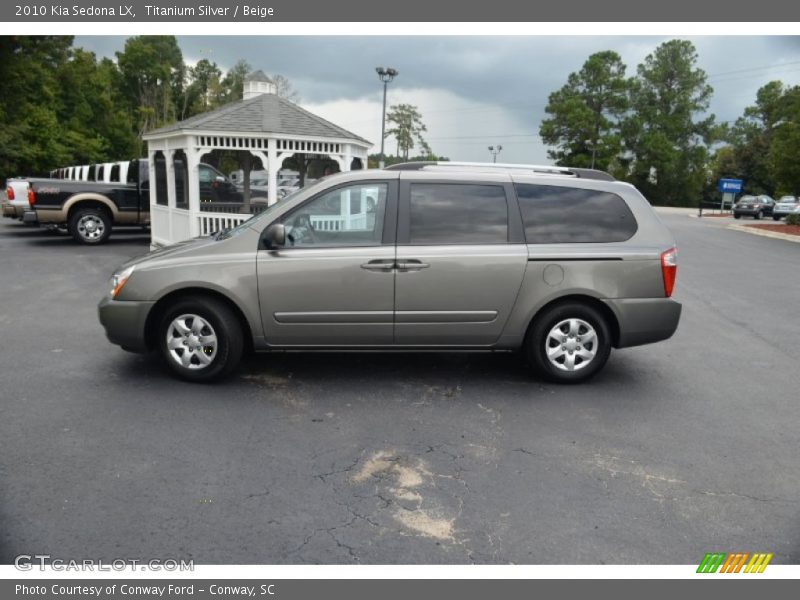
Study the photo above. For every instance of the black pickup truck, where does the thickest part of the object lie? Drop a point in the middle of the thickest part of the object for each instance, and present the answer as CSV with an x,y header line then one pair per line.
x,y
89,210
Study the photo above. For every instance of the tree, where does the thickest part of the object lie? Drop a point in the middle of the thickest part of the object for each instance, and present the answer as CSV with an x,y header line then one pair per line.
x,y
152,79
285,89
785,149
62,108
586,113
232,85
203,90
764,142
664,136
408,128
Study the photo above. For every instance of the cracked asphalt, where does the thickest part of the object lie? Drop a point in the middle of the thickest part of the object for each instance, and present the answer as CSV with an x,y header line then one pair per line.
x,y
674,450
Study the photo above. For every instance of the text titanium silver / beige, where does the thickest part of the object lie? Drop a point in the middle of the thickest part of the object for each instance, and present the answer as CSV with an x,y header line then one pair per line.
x,y
563,264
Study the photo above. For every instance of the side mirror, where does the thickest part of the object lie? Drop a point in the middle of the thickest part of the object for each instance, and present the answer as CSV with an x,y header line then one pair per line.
x,y
274,236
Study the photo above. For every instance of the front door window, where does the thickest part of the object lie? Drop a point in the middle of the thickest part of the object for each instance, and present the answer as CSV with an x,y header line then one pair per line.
x,y
347,216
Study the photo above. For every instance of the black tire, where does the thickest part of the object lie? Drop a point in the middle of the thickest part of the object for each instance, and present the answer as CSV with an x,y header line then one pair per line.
x,y
735,216
758,216
79,229
537,340
226,327
776,217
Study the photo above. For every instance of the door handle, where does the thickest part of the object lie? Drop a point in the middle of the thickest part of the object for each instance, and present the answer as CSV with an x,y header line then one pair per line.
x,y
412,264
379,264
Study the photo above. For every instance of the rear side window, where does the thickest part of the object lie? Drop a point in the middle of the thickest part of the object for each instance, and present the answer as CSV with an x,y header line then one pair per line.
x,y
132,172
115,173
563,215
442,213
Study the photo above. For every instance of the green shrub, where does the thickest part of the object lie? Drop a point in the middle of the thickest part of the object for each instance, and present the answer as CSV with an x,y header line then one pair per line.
x,y
793,219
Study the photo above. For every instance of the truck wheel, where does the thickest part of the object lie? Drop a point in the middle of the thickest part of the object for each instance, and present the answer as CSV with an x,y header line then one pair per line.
x,y
569,343
90,226
201,339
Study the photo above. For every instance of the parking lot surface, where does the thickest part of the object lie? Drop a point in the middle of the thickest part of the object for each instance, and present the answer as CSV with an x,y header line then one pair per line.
x,y
673,450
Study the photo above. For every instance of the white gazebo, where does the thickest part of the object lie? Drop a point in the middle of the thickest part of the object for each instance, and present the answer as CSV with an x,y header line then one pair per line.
x,y
267,126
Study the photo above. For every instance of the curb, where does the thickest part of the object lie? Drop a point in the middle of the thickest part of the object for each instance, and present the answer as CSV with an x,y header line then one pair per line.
x,y
769,234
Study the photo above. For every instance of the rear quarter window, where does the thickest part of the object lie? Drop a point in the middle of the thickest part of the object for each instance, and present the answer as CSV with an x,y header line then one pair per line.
x,y
563,215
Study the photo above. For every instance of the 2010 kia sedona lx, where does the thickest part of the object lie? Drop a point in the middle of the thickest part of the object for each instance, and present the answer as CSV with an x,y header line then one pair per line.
x,y
563,264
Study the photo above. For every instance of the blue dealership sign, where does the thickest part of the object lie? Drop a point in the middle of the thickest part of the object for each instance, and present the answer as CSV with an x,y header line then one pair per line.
x,y
730,186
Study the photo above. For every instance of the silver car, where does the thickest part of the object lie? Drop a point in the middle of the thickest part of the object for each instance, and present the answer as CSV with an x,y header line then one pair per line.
x,y
785,206
562,264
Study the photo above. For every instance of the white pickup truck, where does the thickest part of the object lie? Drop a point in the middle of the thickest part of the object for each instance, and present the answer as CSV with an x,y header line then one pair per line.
x,y
16,202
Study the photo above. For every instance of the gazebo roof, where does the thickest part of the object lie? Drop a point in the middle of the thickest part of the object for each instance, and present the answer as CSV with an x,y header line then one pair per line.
x,y
258,76
265,114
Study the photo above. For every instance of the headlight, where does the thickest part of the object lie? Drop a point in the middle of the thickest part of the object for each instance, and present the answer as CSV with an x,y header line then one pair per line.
x,y
118,280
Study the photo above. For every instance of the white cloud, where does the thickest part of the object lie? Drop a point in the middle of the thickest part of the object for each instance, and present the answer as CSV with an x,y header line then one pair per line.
x,y
459,128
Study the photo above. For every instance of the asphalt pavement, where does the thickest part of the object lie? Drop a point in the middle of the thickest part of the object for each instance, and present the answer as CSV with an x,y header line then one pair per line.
x,y
674,450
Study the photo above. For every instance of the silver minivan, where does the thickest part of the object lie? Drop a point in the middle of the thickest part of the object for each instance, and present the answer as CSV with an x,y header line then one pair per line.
x,y
562,264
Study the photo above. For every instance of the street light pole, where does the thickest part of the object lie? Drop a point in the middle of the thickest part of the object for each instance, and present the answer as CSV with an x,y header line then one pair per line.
x,y
385,75
495,150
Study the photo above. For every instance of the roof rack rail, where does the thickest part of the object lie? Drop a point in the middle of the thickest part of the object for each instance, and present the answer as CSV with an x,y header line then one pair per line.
x,y
538,169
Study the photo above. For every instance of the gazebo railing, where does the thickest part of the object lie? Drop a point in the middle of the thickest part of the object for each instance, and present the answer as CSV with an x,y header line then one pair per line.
x,y
217,221
216,216
232,207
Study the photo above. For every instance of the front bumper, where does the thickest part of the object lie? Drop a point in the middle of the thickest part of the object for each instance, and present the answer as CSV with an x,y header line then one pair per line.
x,y
645,320
783,213
124,322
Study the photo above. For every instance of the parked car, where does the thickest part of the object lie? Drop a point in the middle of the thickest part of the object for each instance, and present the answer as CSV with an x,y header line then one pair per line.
x,y
89,210
754,206
216,187
785,206
16,202
563,264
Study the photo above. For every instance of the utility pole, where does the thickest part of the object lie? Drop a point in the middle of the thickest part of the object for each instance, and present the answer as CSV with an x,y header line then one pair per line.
x,y
385,75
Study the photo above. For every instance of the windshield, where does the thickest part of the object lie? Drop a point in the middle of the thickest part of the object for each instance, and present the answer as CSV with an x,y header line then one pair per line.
x,y
790,199
748,199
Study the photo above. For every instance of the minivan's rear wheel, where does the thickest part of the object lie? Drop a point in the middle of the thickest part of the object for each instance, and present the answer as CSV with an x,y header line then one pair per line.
x,y
90,226
200,339
569,343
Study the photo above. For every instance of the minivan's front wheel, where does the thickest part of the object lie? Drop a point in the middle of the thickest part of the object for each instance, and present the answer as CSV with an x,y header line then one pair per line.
x,y
569,343
201,339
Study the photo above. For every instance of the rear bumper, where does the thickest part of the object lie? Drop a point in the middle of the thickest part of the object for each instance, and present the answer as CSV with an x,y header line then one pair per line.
x,y
750,212
645,320
29,217
124,322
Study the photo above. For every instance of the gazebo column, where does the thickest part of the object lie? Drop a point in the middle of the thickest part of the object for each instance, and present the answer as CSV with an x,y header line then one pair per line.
x,y
151,170
348,156
272,170
193,156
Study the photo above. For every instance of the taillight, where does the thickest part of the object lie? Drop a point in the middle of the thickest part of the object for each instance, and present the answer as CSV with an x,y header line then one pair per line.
x,y
10,193
669,268
31,197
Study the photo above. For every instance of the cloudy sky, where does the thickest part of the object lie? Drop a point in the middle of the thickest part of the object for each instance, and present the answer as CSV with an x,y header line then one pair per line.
x,y
472,91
